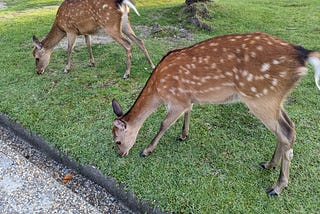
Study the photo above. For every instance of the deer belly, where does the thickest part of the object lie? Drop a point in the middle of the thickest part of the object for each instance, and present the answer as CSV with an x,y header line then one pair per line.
x,y
217,96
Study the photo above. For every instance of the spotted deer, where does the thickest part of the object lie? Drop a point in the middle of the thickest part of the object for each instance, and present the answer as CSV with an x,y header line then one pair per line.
x,y
86,17
257,69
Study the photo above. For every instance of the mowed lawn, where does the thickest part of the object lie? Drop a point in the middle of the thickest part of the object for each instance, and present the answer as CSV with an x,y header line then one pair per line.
x,y
216,170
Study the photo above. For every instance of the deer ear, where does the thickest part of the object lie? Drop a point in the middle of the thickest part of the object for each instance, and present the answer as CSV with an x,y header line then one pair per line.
x,y
117,108
36,42
120,124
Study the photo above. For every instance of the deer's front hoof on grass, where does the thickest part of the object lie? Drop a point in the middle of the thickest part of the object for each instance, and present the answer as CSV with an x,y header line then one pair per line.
x,y
125,76
182,138
266,165
143,155
92,64
272,192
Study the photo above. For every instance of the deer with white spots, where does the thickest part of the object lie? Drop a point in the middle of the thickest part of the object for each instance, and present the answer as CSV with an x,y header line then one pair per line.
x,y
257,69
86,17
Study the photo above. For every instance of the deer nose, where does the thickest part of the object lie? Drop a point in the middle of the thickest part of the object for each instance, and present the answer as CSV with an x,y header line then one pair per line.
x,y
40,71
122,154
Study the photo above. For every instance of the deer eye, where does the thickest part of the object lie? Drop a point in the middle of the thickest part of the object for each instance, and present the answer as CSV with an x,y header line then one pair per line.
x,y
37,61
118,142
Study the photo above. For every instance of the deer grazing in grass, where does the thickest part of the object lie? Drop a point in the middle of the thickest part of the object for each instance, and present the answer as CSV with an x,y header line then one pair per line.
x,y
85,17
257,69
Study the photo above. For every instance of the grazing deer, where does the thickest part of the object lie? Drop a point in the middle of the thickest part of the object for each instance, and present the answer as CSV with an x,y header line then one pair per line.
x,y
85,17
257,69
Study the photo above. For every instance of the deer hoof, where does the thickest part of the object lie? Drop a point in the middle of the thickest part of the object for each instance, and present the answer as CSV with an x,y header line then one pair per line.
x,y
181,138
125,76
272,192
143,155
265,165
92,64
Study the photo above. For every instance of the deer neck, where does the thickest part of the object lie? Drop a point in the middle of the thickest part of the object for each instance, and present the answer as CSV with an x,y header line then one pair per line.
x,y
147,102
53,38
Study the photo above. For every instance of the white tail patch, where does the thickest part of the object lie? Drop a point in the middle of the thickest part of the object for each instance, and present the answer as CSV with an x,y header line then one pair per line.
x,y
131,5
315,62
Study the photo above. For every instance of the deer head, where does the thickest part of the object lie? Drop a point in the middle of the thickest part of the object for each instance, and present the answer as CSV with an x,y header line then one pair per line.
x,y
124,135
41,55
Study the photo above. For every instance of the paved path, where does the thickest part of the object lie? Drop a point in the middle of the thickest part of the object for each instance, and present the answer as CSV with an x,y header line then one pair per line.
x,y
24,188
31,183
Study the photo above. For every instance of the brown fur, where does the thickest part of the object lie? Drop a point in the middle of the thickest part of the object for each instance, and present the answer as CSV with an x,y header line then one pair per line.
x,y
257,69
85,17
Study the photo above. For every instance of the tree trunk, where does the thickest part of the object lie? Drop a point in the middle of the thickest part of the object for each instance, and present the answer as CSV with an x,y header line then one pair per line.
x,y
189,2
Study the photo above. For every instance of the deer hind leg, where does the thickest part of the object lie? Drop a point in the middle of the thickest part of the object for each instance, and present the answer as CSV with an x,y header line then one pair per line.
x,y
174,112
127,30
71,39
276,119
276,158
185,126
89,45
116,34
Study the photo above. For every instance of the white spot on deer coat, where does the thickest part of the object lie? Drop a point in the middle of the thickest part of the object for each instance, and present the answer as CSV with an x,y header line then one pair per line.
x,y
253,89
265,67
228,84
267,76
229,73
253,54
246,58
259,48
265,91
275,62
283,74
212,44
274,82
173,91
244,73
230,56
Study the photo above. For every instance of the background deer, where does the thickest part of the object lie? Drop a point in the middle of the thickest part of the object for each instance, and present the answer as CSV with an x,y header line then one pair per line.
x,y
85,17
257,69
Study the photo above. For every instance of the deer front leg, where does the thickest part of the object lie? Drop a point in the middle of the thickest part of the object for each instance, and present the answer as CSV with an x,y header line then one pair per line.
x,y
171,117
89,45
71,39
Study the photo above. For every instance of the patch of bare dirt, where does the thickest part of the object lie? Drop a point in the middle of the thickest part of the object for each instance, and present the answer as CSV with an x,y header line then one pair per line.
x,y
3,5
171,34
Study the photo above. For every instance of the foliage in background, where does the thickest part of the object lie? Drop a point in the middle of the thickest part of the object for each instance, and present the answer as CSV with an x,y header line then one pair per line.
x,y
216,170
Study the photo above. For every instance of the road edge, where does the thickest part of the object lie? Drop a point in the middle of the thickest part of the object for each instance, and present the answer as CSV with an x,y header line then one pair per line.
x,y
90,172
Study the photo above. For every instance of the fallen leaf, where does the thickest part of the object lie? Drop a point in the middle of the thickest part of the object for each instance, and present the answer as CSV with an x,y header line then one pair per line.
x,y
67,178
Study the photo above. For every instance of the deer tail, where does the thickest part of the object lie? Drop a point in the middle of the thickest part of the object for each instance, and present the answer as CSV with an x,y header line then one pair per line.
x,y
131,5
314,60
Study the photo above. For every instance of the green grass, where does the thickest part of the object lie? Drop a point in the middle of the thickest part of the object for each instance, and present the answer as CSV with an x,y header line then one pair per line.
x,y
216,170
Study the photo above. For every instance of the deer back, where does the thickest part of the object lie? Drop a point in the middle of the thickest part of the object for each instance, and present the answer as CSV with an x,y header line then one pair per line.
x,y
223,68
86,17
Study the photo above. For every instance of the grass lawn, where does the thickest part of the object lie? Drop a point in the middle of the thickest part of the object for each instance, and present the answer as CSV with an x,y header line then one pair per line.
x,y
216,170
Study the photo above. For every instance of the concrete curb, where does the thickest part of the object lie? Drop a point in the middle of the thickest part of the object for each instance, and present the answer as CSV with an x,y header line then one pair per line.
x,y
110,184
